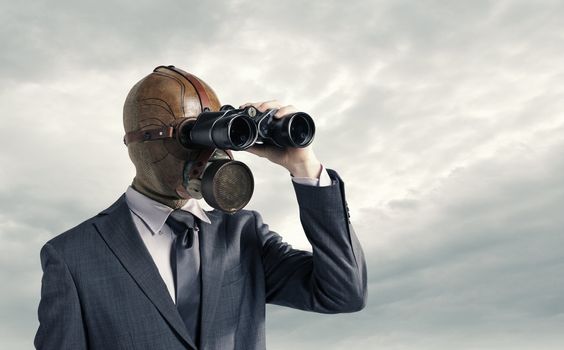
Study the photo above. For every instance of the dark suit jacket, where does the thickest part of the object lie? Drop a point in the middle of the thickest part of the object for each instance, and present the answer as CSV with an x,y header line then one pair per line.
x,y
102,290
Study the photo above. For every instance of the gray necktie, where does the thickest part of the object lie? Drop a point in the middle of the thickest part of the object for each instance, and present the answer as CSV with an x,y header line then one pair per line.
x,y
185,261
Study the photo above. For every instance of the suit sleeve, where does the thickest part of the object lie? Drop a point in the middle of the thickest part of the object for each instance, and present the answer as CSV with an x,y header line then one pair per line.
x,y
330,279
60,318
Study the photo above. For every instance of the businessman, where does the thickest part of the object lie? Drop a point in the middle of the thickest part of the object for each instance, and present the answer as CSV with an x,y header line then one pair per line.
x,y
156,271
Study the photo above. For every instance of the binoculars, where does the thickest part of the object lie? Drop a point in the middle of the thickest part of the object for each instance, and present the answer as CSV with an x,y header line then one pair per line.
x,y
239,129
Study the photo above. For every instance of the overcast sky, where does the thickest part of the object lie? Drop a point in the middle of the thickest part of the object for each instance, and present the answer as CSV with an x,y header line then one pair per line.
x,y
444,118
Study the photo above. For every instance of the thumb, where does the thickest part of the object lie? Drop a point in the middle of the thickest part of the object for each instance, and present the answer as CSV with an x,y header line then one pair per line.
x,y
258,149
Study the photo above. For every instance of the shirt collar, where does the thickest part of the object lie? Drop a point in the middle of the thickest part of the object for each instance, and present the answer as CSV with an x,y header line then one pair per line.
x,y
154,214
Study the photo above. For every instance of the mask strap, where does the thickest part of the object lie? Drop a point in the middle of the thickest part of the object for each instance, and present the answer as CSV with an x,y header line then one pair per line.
x,y
165,132
205,105
200,163
198,86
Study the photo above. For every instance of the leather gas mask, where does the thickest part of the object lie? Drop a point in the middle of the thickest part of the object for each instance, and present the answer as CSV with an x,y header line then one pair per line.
x,y
167,171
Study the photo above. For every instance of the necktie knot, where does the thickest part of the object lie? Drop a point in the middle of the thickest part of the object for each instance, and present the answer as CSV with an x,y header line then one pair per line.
x,y
183,225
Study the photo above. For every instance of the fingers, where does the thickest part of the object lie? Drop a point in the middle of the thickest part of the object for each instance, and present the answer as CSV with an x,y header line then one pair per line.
x,y
247,105
272,104
263,106
285,111
265,151
258,150
273,154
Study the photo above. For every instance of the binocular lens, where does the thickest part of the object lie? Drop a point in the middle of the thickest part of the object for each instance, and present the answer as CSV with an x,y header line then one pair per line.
x,y
241,132
300,130
296,130
214,130
235,132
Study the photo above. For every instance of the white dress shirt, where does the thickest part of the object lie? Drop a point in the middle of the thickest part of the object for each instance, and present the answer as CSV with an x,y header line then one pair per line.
x,y
149,217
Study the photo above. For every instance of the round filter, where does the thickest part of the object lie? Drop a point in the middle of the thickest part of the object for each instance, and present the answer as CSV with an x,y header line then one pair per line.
x,y
227,185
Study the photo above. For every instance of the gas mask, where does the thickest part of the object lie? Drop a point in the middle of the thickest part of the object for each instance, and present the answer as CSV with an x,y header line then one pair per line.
x,y
166,171
179,140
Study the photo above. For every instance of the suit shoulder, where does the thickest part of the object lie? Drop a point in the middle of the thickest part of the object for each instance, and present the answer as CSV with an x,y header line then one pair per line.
x,y
82,234
77,235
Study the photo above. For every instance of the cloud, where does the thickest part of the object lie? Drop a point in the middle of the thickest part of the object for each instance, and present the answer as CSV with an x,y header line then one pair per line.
x,y
443,118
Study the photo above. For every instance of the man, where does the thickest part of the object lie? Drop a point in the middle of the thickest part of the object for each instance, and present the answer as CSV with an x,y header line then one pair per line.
x,y
155,271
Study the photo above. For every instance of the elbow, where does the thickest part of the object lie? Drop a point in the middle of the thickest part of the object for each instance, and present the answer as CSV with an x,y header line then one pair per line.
x,y
358,293
355,297
353,301
356,302
360,302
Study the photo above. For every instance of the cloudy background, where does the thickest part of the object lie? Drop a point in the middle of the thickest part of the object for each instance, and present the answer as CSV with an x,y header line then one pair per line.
x,y
444,118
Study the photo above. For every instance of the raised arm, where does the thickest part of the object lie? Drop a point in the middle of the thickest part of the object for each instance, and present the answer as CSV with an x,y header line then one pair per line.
x,y
331,279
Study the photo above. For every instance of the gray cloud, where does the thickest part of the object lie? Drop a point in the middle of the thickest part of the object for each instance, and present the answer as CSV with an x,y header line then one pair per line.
x,y
443,117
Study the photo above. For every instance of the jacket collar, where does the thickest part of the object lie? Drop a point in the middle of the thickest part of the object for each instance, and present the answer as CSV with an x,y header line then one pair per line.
x,y
154,214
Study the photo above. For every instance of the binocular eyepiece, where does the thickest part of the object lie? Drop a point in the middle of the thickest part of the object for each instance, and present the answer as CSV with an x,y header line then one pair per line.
x,y
239,129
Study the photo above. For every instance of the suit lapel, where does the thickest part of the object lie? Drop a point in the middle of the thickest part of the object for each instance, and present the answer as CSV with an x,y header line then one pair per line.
x,y
212,255
118,231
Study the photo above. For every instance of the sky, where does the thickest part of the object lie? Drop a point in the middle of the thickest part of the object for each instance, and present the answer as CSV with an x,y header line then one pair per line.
x,y
445,120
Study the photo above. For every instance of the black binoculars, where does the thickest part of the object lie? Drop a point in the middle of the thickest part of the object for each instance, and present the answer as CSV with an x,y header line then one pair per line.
x,y
239,129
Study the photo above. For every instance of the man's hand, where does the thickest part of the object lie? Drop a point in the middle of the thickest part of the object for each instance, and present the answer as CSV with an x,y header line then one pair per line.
x,y
300,162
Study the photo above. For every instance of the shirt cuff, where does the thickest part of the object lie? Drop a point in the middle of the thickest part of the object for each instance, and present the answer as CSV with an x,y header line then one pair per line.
x,y
324,179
